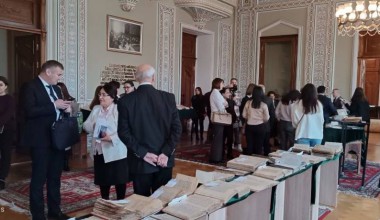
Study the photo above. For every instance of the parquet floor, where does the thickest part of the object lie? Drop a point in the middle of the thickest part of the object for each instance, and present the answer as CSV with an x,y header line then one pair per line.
x,y
349,207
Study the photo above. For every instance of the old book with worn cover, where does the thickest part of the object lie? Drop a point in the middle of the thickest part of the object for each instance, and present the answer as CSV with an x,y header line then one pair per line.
x,y
223,191
166,194
205,177
255,183
247,163
301,148
187,184
193,207
272,173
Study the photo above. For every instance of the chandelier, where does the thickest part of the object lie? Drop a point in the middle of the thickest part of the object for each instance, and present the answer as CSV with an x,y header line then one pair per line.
x,y
361,17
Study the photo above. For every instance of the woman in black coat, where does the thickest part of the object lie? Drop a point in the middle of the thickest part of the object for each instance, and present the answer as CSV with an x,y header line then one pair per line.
x,y
359,105
199,107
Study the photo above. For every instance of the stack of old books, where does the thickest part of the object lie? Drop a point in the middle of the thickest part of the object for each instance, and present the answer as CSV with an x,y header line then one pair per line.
x,y
247,163
205,177
352,119
193,207
223,191
134,207
328,150
313,159
233,171
181,185
306,149
255,183
272,173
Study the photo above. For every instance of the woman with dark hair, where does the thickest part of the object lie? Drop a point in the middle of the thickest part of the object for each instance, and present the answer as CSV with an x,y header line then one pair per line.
x,y
200,111
129,87
307,117
359,105
248,96
256,114
7,130
217,104
95,100
284,115
110,154
228,132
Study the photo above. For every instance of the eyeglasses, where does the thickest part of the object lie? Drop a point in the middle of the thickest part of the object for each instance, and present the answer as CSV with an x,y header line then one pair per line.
x,y
103,95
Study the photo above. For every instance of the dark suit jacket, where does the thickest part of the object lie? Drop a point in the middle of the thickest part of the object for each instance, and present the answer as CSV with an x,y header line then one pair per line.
x,y
148,122
39,114
272,112
328,107
231,109
338,103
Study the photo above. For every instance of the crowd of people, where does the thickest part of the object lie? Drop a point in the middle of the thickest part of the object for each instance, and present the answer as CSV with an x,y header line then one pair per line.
x,y
134,134
267,120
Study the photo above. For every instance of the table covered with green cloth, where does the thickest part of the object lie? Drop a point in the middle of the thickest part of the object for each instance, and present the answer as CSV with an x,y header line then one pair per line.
x,y
186,113
335,134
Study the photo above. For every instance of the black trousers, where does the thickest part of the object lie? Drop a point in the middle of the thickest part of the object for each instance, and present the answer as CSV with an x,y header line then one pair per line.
x,y
286,134
255,135
47,164
228,136
146,184
5,153
194,128
120,191
216,152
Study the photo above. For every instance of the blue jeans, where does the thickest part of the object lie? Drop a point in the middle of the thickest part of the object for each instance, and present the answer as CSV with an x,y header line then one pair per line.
x,y
309,141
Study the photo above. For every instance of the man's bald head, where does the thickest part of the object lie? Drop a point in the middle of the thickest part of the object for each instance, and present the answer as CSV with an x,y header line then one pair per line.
x,y
145,73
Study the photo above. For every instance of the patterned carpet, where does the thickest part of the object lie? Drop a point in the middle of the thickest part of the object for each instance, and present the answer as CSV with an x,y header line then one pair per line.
x,y
351,183
78,192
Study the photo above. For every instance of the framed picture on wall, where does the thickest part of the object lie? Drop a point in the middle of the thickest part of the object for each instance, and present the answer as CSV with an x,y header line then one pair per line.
x,y
124,35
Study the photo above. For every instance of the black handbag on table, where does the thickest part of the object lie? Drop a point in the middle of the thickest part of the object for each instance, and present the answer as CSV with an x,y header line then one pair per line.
x,y
65,133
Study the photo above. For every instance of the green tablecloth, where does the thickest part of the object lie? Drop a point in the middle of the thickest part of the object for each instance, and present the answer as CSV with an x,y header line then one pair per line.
x,y
335,134
186,113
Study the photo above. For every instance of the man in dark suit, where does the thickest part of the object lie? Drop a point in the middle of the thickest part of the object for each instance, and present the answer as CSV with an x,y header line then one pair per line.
x,y
150,127
328,107
42,104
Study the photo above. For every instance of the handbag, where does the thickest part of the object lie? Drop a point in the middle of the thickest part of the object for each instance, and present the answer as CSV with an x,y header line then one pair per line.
x,y
222,118
65,132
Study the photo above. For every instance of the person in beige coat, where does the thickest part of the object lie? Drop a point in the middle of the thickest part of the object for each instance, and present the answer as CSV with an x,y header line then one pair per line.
x,y
110,153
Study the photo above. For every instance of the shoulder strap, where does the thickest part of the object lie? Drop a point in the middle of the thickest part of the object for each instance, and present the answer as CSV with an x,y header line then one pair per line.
x,y
300,120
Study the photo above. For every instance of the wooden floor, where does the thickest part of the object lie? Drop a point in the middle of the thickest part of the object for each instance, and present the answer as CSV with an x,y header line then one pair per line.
x,y
349,207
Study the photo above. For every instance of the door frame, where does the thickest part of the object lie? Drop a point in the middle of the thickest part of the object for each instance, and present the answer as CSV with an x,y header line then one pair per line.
x,y
293,39
300,59
191,29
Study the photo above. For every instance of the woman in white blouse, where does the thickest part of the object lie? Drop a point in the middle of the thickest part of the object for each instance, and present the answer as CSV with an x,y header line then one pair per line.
x,y
110,154
256,114
307,117
217,104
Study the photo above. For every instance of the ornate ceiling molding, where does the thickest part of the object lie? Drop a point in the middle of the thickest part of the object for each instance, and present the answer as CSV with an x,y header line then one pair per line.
x,y
128,5
203,11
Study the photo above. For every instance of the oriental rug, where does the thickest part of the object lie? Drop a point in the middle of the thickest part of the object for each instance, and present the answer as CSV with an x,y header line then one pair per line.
x,y
323,212
351,182
78,192
199,153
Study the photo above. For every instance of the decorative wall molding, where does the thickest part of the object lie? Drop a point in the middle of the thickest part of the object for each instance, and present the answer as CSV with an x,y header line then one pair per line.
x,y
319,38
72,48
225,51
128,5
204,11
166,48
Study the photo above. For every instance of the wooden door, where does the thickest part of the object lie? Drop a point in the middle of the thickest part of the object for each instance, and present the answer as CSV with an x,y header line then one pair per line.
x,y
188,68
292,40
27,57
371,79
369,67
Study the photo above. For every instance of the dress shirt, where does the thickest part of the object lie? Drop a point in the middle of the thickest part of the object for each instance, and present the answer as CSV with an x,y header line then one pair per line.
x,y
311,125
46,86
284,112
256,116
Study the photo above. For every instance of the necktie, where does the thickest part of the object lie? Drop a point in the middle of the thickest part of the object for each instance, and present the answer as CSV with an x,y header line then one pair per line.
x,y
52,93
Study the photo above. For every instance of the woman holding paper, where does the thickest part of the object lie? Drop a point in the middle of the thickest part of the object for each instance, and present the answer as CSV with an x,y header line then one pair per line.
x,y
110,154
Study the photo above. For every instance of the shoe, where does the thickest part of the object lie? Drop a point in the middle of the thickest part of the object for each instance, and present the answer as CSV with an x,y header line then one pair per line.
x,y
59,216
66,168
238,148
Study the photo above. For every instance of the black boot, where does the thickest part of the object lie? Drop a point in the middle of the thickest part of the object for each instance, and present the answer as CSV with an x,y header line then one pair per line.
x,y
66,162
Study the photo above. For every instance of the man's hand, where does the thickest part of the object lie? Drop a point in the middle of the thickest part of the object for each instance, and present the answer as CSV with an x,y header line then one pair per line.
x,y
162,160
106,137
68,110
151,158
61,104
